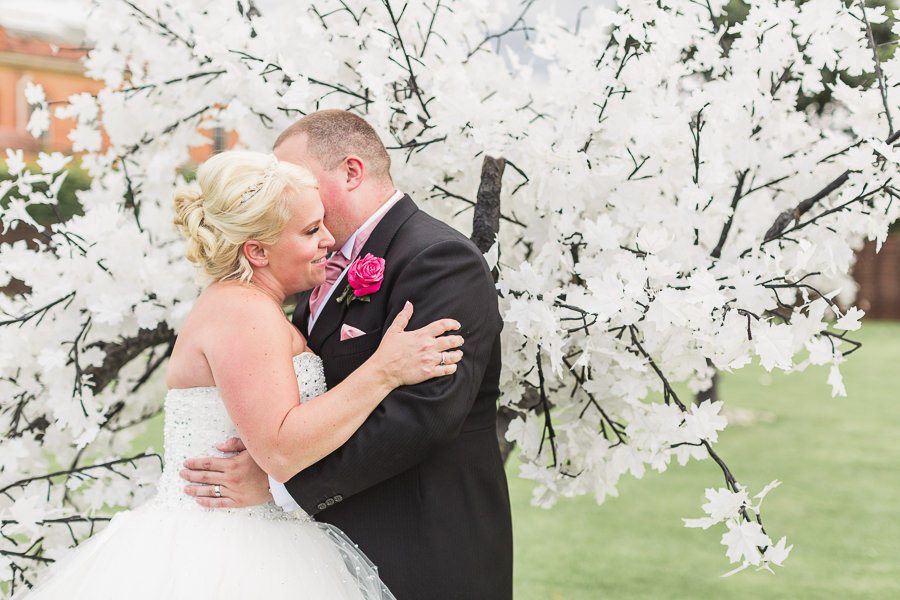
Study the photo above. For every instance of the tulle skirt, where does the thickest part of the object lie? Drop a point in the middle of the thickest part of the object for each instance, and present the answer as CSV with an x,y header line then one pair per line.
x,y
159,553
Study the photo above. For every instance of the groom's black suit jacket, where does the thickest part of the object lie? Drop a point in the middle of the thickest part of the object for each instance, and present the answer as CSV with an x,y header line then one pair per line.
x,y
420,487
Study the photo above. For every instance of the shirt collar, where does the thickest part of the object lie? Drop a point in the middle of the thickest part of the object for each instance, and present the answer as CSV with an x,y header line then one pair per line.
x,y
347,248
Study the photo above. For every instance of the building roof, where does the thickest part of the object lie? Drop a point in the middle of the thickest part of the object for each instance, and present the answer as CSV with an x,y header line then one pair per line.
x,y
60,21
15,42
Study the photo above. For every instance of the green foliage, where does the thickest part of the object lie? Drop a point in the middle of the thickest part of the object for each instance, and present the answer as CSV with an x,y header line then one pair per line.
x,y
736,11
189,172
885,40
47,214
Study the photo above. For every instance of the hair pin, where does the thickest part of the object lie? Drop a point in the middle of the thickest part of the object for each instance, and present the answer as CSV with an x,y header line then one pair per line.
x,y
266,175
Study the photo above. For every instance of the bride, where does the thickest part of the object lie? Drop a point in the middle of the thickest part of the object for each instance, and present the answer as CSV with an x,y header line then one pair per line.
x,y
240,368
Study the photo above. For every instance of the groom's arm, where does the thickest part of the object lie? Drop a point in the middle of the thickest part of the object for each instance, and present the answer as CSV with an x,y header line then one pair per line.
x,y
447,279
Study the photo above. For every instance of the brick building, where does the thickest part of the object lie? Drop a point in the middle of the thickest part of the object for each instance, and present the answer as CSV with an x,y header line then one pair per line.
x,y
41,42
38,48
46,50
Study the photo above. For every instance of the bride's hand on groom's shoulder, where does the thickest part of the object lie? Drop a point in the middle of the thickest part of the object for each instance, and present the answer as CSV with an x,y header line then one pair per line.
x,y
409,357
239,480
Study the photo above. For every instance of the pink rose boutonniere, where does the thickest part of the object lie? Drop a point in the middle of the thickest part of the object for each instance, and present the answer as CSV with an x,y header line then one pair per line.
x,y
364,277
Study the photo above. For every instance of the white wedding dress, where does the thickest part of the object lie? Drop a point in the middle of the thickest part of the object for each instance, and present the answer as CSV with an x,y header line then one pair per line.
x,y
172,548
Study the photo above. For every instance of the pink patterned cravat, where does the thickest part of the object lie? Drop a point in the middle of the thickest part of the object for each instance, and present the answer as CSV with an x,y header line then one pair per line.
x,y
334,266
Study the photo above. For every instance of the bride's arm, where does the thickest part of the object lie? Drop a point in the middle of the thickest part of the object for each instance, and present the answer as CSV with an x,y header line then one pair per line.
x,y
250,358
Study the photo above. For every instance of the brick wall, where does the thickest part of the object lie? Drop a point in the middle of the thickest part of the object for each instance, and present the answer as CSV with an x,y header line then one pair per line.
x,y
878,276
59,72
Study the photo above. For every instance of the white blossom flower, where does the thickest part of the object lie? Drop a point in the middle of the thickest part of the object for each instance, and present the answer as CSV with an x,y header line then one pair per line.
x,y
34,93
39,122
850,320
836,381
743,541
15,162
52,163
85,138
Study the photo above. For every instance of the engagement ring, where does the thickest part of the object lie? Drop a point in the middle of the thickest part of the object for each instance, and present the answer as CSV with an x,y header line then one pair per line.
x,y
442,359
217,490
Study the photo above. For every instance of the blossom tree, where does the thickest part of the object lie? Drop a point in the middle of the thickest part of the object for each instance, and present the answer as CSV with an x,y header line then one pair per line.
x,y
666,211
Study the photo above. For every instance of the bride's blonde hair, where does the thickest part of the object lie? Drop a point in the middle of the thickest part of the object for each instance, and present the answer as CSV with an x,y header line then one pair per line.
x,y
242,197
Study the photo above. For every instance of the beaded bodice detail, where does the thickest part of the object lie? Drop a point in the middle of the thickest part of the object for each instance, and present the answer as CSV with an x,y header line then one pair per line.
x,y
196,420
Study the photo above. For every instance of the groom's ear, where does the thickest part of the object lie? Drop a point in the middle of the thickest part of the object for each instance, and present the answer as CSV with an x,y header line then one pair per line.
x,y
255,253
356,171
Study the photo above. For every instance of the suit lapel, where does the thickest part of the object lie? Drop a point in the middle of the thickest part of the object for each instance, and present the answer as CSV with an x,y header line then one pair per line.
x,y
387,228
330,318
332,314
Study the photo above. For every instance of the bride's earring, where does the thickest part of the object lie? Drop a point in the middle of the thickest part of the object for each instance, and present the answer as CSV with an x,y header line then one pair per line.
x,y
255,253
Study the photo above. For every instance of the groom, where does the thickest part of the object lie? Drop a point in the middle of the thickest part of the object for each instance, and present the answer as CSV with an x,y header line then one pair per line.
x,y
420,487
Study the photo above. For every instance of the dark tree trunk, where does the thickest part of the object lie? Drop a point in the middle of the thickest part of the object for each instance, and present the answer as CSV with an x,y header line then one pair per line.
x,y
485,228
486,222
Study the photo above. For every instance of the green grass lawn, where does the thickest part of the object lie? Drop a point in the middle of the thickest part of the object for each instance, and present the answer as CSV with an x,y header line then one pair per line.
x,y
839,504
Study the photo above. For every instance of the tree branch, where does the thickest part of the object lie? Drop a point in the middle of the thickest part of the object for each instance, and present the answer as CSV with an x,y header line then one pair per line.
x,y
717,251
445,193
413,84
879,75
813,220
497,36
778,227
40,312
81,471
120,353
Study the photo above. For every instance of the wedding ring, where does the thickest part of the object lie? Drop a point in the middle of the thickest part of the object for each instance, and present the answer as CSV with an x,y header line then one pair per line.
x,y
217,490
442,359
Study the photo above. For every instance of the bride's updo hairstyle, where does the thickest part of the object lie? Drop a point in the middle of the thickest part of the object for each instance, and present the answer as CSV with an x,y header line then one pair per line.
x,y
242,196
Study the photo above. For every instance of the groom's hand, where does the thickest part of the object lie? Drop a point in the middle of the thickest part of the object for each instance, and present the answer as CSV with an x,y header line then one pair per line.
x,y
239,479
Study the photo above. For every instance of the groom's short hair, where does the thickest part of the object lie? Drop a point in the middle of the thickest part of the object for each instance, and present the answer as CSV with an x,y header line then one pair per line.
x,y
332,135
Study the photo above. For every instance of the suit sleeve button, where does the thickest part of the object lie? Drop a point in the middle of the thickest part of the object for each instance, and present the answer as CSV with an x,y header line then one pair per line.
x,y
322,506
330,502
338,498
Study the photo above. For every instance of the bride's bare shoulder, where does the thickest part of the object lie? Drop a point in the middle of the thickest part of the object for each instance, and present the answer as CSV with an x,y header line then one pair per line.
x,y
229,312
229,323
227,300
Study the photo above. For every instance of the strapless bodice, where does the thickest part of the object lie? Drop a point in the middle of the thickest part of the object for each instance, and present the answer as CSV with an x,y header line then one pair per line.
x,y
196,420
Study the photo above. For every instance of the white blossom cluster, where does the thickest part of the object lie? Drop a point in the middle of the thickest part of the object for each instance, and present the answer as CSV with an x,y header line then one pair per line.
x,y
651,151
